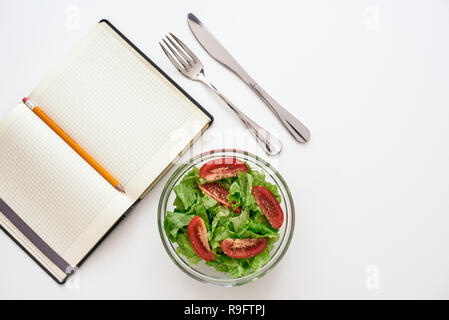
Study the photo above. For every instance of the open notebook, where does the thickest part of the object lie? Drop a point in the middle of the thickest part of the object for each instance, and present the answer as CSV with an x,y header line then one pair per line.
x,y
125,112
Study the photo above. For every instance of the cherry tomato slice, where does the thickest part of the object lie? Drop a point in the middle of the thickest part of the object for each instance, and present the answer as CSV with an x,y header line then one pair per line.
x,y
222,168
243,248
196,229
269,206
218,193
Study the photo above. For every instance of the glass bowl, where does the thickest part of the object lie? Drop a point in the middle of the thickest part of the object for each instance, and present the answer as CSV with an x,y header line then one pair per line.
x,y
201,271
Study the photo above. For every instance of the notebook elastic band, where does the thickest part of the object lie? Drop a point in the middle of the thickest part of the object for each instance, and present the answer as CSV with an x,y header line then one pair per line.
x,y
34,238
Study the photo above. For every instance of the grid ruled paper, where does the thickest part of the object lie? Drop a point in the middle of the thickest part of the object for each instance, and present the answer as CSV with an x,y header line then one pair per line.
x,y
52,189
116,105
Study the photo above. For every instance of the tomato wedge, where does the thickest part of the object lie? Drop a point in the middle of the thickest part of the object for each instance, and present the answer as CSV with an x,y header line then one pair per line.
x,y
243,248
222,168
269,206
218,193
196,229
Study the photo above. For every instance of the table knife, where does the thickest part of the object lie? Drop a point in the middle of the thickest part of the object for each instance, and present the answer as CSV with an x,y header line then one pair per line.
x,y
219,53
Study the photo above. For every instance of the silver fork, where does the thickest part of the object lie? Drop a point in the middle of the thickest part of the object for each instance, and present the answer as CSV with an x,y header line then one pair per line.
x,y
191,67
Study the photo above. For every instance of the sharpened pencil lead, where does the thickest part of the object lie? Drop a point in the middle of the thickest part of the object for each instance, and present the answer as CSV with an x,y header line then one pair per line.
x,y
120,188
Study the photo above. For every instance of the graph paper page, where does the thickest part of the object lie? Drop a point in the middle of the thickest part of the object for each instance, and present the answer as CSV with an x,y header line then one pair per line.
x,y
53,190
119,108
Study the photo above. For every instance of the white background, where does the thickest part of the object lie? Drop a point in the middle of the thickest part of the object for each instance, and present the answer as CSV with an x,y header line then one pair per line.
x,y
369,78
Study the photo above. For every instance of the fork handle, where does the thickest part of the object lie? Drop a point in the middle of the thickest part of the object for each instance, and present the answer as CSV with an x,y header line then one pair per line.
x,y
298,130
271,144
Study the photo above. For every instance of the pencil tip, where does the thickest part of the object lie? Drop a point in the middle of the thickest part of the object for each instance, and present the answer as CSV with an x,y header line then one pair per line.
x,y
120,188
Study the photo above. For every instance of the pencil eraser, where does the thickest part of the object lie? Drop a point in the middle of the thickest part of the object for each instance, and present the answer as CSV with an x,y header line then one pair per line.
x,y
24,99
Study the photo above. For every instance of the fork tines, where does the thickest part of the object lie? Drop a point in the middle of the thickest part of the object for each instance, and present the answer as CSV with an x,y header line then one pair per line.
x,y
185,56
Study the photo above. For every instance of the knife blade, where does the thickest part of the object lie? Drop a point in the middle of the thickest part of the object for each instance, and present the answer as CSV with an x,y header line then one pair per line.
x,y
219,53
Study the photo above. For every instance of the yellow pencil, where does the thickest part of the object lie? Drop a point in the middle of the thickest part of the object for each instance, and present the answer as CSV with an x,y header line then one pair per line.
x,y
73,145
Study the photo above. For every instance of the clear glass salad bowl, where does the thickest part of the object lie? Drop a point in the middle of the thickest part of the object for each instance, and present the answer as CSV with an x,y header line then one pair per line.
x,y
201,271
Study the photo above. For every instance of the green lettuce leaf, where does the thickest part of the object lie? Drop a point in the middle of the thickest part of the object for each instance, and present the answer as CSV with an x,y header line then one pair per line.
x,y
240,191
185,196
174,222
220,233
260,180
221,218
235,267
185,249
262,258
192,177
199,209
241,221
208,202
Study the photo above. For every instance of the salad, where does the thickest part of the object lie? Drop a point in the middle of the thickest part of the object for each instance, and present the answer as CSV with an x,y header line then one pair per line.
x,y
227,214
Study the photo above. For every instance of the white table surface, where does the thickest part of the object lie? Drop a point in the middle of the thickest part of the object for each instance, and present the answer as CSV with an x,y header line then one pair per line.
x,y
369,78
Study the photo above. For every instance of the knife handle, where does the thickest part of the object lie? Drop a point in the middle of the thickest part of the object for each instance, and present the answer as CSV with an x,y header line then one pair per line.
x,y
271,144
293,125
